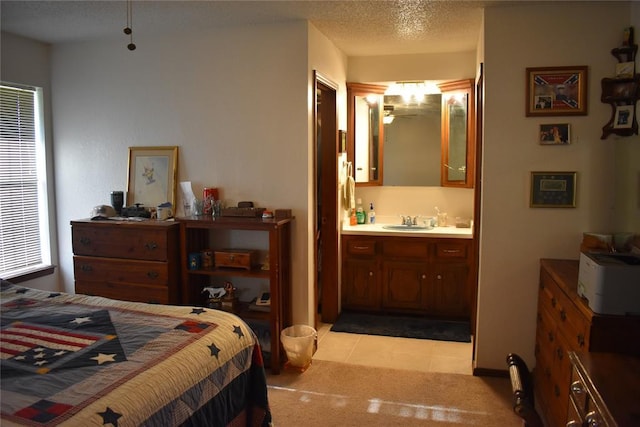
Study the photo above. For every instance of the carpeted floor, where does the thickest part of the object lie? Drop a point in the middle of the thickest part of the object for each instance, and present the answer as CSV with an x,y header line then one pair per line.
x,y
402,326
337,394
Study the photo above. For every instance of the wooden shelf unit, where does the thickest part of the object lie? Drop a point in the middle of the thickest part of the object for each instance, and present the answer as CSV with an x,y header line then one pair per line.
x,y
198,233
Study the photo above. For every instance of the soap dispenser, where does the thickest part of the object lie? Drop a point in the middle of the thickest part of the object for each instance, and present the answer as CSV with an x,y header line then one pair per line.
x,y
372,214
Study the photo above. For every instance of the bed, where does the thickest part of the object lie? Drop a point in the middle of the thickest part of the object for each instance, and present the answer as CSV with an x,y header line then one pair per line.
x,y
79,360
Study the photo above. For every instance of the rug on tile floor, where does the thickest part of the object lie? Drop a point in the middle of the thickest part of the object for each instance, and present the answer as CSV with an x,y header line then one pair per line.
x,y
402,326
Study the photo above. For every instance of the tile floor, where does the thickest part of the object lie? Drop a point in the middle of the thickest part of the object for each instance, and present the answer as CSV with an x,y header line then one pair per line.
x,y
391,352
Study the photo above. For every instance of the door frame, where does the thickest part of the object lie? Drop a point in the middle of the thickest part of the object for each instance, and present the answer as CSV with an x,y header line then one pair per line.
x,y
325,164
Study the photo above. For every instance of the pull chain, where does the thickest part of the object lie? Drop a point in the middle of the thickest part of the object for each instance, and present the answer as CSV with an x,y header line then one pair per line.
x,y
128,29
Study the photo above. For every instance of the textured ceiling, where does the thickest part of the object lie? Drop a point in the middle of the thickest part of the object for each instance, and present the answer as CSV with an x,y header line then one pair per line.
x,y
356,27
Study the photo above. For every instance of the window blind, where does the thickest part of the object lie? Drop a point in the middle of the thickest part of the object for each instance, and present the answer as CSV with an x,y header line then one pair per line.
x,y
20,241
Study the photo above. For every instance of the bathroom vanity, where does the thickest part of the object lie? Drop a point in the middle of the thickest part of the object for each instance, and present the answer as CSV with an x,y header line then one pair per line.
x,y
426,272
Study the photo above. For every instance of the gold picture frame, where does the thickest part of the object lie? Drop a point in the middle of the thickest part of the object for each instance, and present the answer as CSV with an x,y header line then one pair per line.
x,y
152,174
553,190
557,91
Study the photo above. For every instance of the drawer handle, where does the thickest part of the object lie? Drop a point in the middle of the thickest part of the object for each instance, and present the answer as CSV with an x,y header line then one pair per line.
x,y
553,301
563,315
152,274
550,336
576,387
556,390
85,267
580,340
85,240
361,248
151,246
451,251
560,353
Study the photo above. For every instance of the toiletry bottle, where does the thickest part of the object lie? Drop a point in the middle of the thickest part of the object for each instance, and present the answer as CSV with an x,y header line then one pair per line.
x,y
372,214
352,219
360,215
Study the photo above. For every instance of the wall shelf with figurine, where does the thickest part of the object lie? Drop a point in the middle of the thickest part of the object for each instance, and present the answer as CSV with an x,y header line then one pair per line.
x,y
622,91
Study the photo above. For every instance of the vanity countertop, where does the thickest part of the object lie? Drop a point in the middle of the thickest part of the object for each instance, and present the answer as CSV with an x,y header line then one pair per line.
x,y
378,230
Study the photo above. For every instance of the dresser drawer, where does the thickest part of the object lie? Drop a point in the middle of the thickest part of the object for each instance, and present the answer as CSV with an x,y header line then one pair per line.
x,y
124,291
451,251
120,271
120,242
361,247
566,315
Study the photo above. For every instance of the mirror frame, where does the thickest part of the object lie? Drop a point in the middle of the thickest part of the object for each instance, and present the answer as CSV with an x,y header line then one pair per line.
x,y
362,89
465,87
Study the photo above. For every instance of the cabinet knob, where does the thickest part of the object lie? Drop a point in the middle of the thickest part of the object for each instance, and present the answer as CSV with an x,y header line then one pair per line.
x,y
152,274
370,273
560,353
556,390
553,301
563,315
151,246
576,387
439,277
580,340
424,276
85,240
550,336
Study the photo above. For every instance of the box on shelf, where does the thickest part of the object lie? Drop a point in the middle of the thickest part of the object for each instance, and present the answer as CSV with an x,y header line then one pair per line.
x,y
236,258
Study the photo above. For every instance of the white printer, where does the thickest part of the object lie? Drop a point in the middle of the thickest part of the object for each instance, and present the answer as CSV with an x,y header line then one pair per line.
x,y
610,282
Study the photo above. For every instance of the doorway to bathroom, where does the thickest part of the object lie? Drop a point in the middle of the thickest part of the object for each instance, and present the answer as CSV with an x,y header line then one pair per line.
x,y
326,200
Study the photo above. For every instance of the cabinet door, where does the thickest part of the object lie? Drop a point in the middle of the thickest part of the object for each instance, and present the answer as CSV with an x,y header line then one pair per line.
x,y
360,284
404,285
448,293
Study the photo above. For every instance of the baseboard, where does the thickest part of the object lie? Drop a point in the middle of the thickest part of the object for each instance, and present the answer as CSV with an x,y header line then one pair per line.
x,y
483,372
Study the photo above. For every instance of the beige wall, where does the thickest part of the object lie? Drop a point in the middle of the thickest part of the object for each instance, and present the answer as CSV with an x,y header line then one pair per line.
x,y
513,236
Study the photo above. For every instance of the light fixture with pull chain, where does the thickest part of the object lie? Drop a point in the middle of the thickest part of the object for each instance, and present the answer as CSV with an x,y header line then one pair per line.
x,y
128,29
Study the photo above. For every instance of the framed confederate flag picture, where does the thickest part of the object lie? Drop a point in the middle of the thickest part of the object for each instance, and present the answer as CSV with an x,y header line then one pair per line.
x,y
557,91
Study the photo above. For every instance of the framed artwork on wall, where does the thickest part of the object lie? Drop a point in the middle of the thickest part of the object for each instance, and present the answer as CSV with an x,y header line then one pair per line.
x,y
624,117
553,190
557,91
152,176
555,134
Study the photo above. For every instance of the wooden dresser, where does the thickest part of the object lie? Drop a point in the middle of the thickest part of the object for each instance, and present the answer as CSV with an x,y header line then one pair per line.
x,y
566,323
604,390
127,260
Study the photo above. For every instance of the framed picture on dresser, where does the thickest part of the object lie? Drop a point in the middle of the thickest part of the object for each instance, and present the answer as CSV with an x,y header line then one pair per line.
x,y
152,176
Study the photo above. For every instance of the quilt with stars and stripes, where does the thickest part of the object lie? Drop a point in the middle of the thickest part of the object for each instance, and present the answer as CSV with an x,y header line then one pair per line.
x,y
79,360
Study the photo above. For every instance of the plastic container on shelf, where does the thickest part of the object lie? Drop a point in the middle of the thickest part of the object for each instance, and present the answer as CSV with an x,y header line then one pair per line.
x,y
299,342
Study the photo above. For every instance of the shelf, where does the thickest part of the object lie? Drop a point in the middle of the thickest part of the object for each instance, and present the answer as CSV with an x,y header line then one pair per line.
x,y
199,233
234,272
622,94
625,53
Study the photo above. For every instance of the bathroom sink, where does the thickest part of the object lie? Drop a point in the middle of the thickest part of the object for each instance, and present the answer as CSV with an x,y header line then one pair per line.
x,y
406,227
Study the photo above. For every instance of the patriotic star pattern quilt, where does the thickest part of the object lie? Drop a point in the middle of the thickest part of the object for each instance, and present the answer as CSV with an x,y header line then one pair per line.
x,y
77,360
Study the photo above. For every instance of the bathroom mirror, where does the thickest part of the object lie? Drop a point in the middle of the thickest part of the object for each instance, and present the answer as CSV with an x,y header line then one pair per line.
x,y
400,140
458,134
365,142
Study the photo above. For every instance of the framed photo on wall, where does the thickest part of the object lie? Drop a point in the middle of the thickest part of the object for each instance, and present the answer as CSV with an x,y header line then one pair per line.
x,y
624,117
152,176
553,190
555,134
557,91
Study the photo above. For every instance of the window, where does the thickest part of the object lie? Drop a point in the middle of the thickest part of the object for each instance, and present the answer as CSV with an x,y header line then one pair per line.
x,y
24,230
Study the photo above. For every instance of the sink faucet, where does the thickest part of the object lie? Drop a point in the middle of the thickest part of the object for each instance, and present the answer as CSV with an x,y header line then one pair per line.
x,y
407,220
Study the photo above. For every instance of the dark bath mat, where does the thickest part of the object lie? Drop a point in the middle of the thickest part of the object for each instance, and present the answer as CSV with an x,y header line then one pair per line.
x,y
403,326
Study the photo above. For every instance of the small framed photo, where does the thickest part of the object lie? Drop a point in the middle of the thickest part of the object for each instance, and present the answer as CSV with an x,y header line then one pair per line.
x,y
625,70
555,134
556,91
152,176
624,117
553,190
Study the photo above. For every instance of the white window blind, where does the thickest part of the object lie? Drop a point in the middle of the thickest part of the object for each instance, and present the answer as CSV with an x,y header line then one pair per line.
x,y
23,210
